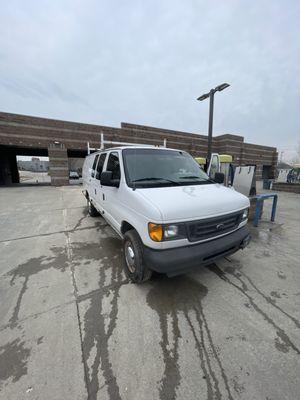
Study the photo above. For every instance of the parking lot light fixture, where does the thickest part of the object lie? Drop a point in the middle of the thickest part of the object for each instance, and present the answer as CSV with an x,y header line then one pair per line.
x,y
204,96
222,87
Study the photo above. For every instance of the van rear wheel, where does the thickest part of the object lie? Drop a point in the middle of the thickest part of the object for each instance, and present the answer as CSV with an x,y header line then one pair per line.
x,y
134,266
92,210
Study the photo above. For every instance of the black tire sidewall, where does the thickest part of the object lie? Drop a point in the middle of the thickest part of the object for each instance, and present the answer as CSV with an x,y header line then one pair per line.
x,y
141,272
91,209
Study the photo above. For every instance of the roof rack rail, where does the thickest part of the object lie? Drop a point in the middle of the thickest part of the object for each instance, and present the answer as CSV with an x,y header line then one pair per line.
x,y
103,142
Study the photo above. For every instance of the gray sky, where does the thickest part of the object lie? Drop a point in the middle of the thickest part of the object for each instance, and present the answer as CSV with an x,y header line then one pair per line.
x,y
146,61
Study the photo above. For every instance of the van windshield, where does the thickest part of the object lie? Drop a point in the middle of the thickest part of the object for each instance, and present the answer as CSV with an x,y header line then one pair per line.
x,y
155,168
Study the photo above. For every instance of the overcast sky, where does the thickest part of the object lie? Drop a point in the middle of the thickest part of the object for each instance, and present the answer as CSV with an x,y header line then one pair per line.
x,y
147,61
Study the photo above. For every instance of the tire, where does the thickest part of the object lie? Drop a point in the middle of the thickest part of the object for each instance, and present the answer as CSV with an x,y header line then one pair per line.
x,y
134,266
92,210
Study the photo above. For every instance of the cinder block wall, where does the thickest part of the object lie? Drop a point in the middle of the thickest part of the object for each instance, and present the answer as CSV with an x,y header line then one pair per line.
x,y
58,164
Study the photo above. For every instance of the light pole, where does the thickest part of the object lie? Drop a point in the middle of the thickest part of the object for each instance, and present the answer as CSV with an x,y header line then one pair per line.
x,y
211,95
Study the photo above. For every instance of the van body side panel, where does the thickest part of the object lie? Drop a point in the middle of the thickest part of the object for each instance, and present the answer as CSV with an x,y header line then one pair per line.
x,y
125,204
86,171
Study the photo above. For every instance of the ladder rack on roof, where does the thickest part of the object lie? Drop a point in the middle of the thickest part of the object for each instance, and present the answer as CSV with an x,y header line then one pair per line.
x,y
104,142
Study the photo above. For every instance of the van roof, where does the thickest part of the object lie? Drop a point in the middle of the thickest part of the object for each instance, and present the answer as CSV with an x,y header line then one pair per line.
x,y
134,147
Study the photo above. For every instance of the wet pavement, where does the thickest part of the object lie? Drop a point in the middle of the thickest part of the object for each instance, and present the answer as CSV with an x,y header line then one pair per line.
x,y
73,327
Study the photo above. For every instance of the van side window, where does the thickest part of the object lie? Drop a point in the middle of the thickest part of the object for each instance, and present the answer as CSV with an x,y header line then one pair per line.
x,y
94,166
100,165
113,165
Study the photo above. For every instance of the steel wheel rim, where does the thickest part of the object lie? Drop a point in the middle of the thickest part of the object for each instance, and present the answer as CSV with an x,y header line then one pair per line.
x,y
130,257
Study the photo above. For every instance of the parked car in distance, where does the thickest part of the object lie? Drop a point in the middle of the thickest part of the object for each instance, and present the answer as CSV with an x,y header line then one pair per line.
x,y
171,216
73,175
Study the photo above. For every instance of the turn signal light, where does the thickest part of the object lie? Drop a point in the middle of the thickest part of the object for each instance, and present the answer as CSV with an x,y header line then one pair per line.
x,y
155,232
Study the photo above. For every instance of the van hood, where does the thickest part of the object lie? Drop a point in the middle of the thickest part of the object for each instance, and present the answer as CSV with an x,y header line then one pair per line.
x,y
183,203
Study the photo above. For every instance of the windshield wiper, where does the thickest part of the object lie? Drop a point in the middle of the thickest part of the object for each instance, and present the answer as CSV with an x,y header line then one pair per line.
x,y
197,177
191,177
155,179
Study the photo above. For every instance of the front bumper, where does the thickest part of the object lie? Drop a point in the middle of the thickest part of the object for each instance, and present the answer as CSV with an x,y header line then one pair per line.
x,y
179,260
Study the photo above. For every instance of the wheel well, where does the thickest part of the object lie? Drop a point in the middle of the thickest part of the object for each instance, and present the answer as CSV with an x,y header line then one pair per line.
x,y
126,227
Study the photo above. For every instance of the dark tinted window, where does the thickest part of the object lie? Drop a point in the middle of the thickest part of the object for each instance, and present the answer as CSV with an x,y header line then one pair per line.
x,y
94,166
113,165
100,165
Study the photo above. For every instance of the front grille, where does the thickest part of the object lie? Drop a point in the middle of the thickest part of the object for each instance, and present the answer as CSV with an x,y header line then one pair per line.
x,y
211,227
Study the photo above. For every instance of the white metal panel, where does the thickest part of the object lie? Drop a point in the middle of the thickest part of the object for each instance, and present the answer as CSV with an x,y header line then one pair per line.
x,y
243,178
282,175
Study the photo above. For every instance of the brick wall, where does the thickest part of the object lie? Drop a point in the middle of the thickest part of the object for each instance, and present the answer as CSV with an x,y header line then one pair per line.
x,y
58,164
41,133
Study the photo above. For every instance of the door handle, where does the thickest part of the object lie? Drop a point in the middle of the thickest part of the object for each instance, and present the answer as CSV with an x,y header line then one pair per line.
x,y
103,196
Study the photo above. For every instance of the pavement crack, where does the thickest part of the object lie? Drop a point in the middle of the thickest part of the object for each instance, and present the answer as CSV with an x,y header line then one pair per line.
x,y
267,298
75,292
79,222
279,331
20,320
97,227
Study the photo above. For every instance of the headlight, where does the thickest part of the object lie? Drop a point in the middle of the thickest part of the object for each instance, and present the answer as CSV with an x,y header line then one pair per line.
x,y
159,233
170,231
245,214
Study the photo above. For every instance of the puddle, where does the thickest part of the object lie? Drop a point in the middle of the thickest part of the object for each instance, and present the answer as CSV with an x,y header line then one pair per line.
x,y
32,267
171,297
13,361
99,325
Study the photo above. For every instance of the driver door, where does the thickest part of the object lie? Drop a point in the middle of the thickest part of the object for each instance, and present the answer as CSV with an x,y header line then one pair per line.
x,y
214,165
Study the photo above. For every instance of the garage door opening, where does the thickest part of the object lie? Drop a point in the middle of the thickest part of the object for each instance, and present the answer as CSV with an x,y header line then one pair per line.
x,y
33,170
267,172
75,164
22,165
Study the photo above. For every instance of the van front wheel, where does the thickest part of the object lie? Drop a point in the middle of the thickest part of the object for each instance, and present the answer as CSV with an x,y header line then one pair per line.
x,y
134,266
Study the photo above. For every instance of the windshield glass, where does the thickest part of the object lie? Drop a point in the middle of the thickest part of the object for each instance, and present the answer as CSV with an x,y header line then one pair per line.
x,y
154,168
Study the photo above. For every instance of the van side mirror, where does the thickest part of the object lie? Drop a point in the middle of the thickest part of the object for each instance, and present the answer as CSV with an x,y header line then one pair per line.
x,y
106,179
97,176
219,177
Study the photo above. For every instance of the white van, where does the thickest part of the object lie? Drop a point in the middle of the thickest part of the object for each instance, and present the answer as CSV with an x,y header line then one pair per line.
x,y
171,215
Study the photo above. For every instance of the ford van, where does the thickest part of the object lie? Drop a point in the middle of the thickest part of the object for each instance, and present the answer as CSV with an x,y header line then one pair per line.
x,y
171,215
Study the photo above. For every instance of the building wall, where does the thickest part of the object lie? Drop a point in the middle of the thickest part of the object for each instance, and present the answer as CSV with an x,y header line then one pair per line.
x,y
33,165
42,133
